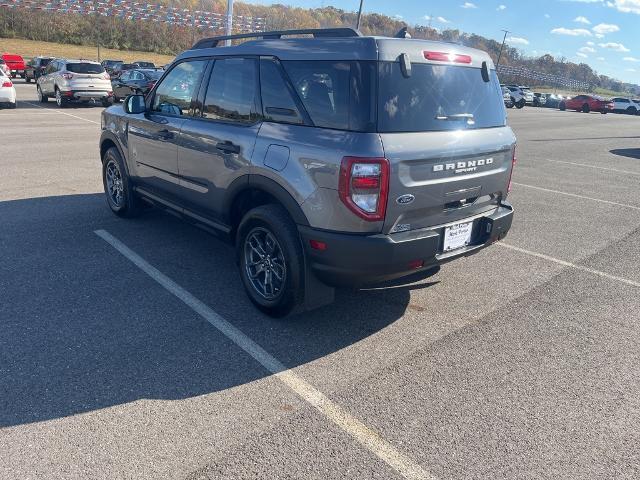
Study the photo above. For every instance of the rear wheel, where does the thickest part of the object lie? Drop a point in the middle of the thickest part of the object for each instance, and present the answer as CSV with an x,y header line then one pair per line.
x,y
520,104
586,108
41,96
562,106
61,102
121,198
12,104
107,102
27,79
632,111
271,260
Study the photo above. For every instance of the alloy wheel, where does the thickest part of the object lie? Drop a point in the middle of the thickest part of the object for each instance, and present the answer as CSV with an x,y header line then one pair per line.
x,y
264,262
115,186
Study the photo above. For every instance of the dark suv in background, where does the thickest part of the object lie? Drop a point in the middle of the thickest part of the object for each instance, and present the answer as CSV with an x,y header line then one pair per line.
x,y
35,68
337,160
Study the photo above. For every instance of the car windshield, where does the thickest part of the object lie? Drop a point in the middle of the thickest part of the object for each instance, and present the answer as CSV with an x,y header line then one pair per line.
x,y
437,97
89,68
45,61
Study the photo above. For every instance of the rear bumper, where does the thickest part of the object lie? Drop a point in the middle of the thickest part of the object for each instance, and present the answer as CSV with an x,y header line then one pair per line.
x,y
359,260
87,94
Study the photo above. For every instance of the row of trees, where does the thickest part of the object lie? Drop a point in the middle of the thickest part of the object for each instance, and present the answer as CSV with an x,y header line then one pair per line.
x,y
123,34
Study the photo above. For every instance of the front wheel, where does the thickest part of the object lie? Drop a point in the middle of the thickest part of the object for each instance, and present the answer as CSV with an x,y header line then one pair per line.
x,y
520,104
562,106
41,96
271,260
586,108
632,111
121,198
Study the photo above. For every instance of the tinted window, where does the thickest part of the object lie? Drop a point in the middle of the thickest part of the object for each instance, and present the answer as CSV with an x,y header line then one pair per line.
x,y
153,74
173,95
231,93
125,76
89,68
277,103
145,64
336,94
44,62
436,98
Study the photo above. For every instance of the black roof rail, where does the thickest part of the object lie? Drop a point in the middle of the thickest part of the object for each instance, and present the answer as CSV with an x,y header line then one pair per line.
x,y
316,32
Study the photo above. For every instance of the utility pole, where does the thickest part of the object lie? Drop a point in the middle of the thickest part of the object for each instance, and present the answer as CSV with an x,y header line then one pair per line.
x,y
229,21
504,39
359,15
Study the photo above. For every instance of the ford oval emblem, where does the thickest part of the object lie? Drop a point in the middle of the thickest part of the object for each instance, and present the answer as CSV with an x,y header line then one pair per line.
x,y
405,199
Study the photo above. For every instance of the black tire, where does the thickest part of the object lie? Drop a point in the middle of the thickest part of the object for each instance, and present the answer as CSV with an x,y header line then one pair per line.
x,y
107,102
42,97
127,204
61,102
520,104
13,104
562,106
586,108
604,112
288,259
27,79
510,105
632,111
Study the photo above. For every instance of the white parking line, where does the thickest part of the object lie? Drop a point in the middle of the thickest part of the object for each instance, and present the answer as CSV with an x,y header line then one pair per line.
x,y
58,111
575,195
627,172
564,263
333,412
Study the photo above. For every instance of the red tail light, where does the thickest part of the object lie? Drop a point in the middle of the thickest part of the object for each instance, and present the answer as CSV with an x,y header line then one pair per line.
x,y
364,186
67,76
7,84
513,165
447,57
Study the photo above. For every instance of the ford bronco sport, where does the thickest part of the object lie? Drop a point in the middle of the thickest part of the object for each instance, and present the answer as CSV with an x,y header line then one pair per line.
x,y
331,159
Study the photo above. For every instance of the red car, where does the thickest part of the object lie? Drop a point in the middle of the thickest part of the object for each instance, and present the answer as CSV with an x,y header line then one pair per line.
x,y
586,104
15,64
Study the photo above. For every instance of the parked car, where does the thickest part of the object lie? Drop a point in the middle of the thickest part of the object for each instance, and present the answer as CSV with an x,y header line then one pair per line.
x,y
4,68
134,81
517,97
527,94
7,91
506,97
552,100
625,105
35,68
75,81
110,65
586,104
318,186
141,64
539,99
15,63
117,69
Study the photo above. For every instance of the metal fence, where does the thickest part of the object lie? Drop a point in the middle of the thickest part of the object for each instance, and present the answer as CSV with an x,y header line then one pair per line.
x,y
134,10
525,75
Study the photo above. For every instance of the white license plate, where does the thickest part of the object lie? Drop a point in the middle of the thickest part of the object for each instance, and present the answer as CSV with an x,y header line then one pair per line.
x,y
457,236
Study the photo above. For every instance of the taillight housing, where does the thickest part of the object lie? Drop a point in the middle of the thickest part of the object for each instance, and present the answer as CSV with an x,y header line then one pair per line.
x,y
364,186
67,76
7,83
106,76
447,57
513,165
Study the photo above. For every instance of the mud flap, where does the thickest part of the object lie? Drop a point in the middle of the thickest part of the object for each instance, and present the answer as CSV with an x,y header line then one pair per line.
x,y
316,293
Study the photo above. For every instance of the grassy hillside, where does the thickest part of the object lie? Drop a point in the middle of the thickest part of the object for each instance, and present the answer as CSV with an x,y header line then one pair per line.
x,y
31,48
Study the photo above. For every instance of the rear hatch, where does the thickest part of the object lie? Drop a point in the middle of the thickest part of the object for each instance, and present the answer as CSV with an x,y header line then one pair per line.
x,y
443,130
86,76
15,62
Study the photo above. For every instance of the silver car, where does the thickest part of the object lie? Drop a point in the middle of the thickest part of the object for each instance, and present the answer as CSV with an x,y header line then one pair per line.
x,y
75,81
332,161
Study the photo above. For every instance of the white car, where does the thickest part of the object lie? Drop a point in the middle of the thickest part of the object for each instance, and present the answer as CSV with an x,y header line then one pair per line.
x,y
7,91
625,105
75,81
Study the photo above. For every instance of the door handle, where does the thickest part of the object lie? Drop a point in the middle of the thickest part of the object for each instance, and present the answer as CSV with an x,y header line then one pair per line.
x,y
228,147
165,134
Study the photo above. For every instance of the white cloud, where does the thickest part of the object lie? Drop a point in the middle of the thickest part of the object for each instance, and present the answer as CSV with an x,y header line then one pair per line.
x,y
517,41
618,47
442,20
574,32
582,19
601,59
583,55
501,7
604,28
546,15
631,59
590,43
587,50
599,35
468,5
631,70
398,17
626,6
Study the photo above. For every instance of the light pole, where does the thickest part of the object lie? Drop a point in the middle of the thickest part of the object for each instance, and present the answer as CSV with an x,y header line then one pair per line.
x,y
229,21
359,15
506,32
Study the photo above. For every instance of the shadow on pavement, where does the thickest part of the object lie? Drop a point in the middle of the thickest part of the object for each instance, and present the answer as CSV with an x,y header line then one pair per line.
x,y
627,152
82,328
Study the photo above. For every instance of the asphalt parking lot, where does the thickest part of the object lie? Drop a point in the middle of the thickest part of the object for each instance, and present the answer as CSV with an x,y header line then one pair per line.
x,y
519,362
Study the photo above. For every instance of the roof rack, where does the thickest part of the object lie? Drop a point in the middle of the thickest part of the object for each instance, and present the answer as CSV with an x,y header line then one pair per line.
x,y
316,32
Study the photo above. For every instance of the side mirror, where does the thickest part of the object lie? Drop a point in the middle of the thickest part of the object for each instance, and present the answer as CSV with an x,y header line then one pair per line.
x,y
134,104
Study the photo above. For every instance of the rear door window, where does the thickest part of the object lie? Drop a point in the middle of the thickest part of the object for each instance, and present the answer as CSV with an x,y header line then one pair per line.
x,y
277,103
438,98
232,93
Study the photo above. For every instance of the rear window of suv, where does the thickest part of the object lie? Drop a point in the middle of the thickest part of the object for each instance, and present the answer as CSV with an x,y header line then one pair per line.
x,y
89,68
437,98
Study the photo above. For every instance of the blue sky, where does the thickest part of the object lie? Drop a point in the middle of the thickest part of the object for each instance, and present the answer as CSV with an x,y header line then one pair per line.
x,y
602,33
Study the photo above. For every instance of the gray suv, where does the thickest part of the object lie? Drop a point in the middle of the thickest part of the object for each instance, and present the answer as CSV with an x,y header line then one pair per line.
x,y
329,160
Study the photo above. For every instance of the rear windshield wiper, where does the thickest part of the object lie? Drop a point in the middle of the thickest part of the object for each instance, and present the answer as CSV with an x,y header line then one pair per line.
x,y
458,116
